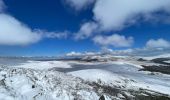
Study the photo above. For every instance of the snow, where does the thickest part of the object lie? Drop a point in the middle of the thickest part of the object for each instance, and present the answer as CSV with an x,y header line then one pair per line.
x,y
29,84
32,79
124,62
108,78
3,96
85,63
120,75
167,61
43,65
125,73
97,75
158,56
154,87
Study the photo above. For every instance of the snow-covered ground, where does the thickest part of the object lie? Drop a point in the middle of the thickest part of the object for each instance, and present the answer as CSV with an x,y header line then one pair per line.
x,y
43,65
126,74
29,84
114,72
167,61
38,80
157,56
99,75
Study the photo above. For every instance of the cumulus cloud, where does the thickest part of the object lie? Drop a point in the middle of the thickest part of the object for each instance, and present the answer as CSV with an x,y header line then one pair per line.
x,y
159,43
79,4
86,30
116,14
73,53
12,32
114,40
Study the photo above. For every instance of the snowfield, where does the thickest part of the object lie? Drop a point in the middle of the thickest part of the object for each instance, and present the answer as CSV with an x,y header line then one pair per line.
x,y
126,75
119,79
43,65
99,75
28,84
167,61
157,56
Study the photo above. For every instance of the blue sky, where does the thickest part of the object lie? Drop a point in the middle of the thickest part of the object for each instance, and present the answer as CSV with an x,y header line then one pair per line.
x,y
148,27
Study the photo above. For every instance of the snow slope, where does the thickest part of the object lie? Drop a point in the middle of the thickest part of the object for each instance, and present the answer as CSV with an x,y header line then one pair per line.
x,y
158,56
126,74
28,84
100,75
116,80
167,61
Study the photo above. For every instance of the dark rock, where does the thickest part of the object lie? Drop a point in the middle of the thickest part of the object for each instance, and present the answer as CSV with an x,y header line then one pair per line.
x,y
33,86
141,59
102,98
157,68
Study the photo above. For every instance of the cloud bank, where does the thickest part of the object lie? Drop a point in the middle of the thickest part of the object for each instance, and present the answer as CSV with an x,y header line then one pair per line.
x,y
114,15
114,40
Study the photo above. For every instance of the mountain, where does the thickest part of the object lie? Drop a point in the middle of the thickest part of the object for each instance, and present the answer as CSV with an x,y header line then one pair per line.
x,y
106,78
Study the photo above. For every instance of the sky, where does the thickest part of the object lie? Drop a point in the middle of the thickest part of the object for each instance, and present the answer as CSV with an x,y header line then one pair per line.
x,y
56,27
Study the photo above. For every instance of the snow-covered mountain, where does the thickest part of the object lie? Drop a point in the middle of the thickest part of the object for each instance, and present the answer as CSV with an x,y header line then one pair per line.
x,y
108,77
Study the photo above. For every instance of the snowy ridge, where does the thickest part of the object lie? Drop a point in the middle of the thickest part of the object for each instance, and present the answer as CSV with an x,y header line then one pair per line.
x,y
158,56
29,84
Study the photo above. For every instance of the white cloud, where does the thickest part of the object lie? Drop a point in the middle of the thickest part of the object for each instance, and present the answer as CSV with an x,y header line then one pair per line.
x,y
119,52
159,43
86,30
73,53
13,32
114,40
54,35
79,4
116,14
